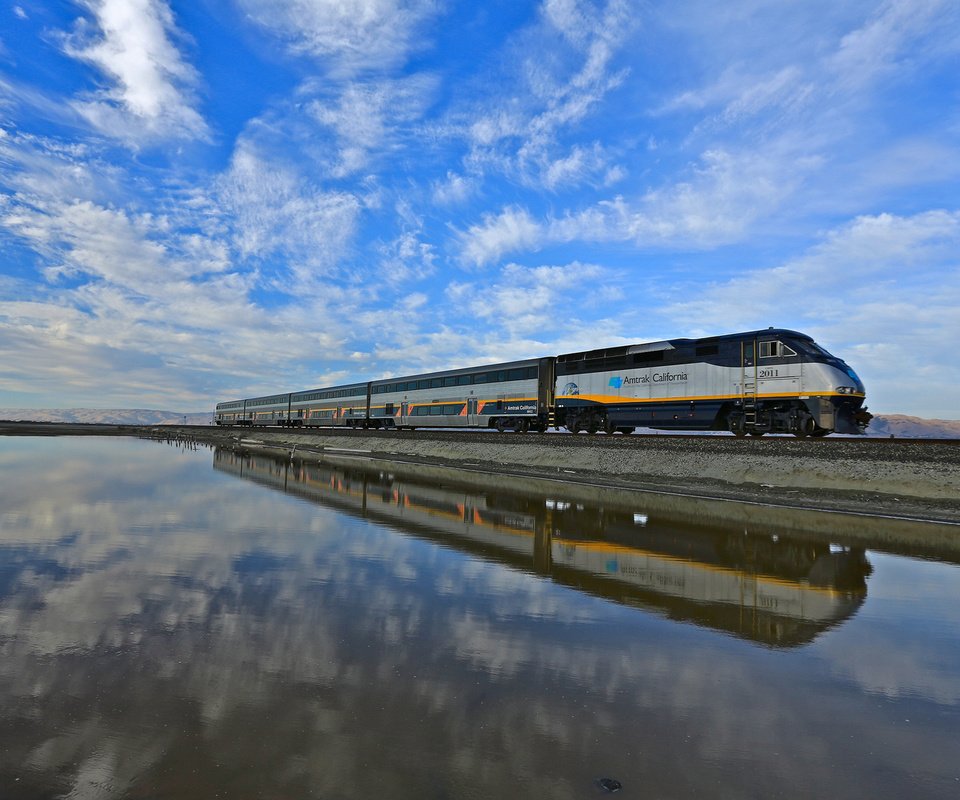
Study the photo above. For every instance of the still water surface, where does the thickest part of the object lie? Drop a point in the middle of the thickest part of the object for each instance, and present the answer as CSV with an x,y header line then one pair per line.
x,y
196,624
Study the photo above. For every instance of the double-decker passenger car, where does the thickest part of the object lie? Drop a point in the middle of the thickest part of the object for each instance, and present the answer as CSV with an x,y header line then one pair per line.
x,y
510,395
768,381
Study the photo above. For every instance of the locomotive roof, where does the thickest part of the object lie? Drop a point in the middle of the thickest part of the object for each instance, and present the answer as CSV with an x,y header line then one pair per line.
x,y
672,344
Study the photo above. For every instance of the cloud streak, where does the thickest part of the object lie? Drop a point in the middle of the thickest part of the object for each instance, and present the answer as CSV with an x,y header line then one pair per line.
x,y
151,84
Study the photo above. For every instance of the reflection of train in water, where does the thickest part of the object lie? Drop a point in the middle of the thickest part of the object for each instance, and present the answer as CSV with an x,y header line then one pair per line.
x,y
777,590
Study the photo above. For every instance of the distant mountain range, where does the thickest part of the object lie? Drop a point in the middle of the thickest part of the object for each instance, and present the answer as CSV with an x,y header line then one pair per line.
x,y
903,427
106,416
883,425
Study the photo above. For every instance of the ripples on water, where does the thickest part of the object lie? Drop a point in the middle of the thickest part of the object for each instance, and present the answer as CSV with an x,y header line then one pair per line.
x,y
260,629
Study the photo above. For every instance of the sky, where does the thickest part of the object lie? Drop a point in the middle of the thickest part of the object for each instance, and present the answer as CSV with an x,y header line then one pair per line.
x,y
215,199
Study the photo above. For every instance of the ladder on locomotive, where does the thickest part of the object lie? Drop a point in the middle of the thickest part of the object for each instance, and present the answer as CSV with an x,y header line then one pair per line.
x,y
748,383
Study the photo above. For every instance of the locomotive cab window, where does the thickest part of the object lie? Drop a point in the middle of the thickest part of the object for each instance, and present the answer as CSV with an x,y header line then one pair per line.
x,y
775,350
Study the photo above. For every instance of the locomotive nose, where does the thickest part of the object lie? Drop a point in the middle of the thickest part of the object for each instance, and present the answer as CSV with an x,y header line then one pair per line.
x,y
858,384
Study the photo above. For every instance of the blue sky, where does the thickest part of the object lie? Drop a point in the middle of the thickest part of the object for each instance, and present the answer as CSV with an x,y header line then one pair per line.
x,y
214,199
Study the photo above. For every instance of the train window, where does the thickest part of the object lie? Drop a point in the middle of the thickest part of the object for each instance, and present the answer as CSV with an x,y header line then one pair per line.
x,y
451,381
464,380
516,375
708,350
436,411
436,383
775,350
502,375
649,357
481,378
531,372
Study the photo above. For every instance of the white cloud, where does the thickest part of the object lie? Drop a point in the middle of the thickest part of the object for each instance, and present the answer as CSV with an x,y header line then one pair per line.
x,y
510,230
517,131
348,35
826,65
724,197
880,46
408,257
19,12
455,189
133,47
366,115
530,301
577,166
278,211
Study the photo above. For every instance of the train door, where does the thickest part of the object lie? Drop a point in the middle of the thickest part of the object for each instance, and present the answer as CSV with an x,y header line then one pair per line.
x,y
748,381
546,391
404,412
473,417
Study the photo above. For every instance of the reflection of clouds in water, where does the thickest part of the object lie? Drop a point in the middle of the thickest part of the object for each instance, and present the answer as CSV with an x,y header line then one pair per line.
x,y
906,640
296,641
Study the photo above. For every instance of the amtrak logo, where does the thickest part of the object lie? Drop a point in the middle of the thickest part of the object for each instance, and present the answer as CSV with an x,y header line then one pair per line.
x,y
618,382
571,389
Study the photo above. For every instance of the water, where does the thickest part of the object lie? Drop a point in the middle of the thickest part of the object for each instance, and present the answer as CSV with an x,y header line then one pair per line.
x,y
196,624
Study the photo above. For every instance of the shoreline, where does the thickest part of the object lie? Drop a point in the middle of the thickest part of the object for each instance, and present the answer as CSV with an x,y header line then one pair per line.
x,y
905,480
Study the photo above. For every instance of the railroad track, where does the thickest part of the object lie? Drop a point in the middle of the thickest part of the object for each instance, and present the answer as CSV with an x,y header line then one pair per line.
x,y
593,439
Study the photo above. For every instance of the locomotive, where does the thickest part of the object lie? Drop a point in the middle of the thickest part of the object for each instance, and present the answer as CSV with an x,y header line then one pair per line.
x,y
766,381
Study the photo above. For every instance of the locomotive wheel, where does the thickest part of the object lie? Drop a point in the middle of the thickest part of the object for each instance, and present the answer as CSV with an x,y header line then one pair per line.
x,y
806,428
737,427
500,425
524,425
758,434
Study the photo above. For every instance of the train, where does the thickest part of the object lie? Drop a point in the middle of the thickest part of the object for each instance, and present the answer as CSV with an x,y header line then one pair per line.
x,y
753,383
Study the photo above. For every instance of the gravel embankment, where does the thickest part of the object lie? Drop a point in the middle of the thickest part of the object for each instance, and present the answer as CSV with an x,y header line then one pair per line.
x,y
912,478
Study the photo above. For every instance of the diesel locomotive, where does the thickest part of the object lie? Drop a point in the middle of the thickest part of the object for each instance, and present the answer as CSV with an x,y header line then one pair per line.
x,y
767,381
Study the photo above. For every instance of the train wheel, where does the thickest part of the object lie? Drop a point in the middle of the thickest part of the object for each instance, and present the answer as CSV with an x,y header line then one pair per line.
x,y
805,428
626,431
500,425
758,434
737,427
524,425
819,432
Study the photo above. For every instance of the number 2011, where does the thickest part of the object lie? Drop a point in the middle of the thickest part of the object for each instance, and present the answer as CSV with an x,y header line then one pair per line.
x,y
769,373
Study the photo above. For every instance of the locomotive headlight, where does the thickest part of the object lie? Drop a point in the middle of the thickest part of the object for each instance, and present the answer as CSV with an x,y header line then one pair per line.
x,y
845,389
